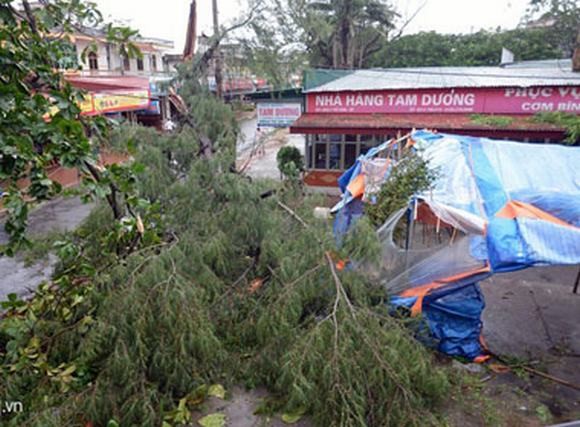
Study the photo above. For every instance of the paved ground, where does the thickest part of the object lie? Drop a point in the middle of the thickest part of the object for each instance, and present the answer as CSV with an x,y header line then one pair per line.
x,y
266,165
56,215
247,135
240,408
263,165
533,315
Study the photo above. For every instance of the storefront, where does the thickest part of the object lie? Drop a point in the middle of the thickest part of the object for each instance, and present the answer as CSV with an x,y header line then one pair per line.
x,y
348,112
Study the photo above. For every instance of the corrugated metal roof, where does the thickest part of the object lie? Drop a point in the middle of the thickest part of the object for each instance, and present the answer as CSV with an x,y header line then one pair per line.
x,y
535,73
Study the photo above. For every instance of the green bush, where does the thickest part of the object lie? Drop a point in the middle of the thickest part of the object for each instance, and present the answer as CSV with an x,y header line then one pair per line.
x,y
290,161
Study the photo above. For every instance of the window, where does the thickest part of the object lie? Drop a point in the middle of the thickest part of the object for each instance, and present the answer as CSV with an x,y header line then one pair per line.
x,y
334,151
93,61
320,151
366,143
108,49
338,152
140,64
126,63
153,63
349,154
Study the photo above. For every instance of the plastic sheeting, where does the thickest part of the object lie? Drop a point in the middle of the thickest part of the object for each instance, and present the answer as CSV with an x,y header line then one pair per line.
x,y
375,172
510,205
480,176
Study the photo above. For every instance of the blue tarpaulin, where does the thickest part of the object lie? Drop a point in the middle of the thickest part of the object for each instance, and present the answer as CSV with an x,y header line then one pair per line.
x,y
516,206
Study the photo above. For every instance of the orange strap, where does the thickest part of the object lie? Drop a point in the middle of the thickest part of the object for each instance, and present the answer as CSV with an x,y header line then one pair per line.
x,y
420,293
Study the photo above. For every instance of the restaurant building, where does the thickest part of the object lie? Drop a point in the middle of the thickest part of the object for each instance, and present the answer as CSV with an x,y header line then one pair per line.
x,y
346,112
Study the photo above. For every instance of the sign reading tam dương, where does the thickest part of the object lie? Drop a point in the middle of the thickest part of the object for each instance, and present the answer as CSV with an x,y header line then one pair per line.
x,y
278,115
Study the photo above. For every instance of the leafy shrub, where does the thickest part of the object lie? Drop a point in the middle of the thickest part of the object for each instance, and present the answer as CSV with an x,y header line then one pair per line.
x,y
290,161
570,122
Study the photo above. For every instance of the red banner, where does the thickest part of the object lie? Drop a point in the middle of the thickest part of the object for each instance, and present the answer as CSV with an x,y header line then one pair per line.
x,y
462,100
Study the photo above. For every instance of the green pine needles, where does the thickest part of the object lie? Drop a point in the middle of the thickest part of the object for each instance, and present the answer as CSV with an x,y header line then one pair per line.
x,y
240,288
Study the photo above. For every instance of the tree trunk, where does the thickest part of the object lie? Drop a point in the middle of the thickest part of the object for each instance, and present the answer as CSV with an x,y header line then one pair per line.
x,y
30,16
576,55
345,34
217,55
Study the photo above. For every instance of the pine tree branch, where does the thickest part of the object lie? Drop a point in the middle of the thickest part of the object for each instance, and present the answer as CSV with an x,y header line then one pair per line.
x,y
339,286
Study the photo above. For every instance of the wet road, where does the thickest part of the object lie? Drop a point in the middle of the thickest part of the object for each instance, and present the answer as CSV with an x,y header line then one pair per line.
x,y
247,135
55,215
60,215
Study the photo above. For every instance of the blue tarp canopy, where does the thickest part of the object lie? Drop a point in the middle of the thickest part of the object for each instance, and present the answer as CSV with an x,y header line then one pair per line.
x,y
516,205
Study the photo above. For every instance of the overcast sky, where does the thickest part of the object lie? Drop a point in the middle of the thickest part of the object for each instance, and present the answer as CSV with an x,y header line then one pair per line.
x,y
167,19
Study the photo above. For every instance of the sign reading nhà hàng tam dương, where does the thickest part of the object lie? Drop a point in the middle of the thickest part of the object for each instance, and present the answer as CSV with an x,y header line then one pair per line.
x,y
514,100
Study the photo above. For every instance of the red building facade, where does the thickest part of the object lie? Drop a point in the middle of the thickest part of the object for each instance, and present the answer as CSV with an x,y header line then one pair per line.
x,y
352,111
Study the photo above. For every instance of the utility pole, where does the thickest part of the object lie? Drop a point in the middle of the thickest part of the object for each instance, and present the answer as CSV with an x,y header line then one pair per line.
x,y
218,55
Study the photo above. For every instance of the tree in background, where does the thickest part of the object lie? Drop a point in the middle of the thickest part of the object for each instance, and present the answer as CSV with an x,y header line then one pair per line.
x,y
123,38
561,16
481,48
337,34
272,51
345,33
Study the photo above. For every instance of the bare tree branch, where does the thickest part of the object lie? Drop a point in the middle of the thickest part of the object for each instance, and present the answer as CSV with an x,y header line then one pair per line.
x,y
30,18
408,21
202,63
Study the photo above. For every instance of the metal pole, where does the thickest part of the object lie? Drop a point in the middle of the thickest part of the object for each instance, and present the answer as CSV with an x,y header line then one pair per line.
x,y
577,283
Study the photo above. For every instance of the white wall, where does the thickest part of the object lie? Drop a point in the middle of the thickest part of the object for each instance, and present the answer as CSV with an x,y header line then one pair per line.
x,y
116,64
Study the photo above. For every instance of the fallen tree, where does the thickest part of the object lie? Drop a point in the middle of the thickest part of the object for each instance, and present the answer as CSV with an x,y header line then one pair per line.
x,y
233,287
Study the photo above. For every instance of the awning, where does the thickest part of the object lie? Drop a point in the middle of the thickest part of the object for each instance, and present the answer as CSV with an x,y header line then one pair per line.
x,y
310,123
100,83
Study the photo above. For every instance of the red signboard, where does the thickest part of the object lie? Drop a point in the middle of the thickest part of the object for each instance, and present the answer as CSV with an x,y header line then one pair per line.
x,y
461,100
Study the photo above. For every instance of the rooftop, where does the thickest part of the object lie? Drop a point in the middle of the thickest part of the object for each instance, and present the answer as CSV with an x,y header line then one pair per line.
x,y
520,74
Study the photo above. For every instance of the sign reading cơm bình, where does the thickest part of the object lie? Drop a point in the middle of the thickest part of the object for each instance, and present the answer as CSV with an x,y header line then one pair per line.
x,y
278,115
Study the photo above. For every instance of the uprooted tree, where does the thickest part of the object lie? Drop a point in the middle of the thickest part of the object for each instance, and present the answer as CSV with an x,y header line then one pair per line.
x,y
236,282
243,287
